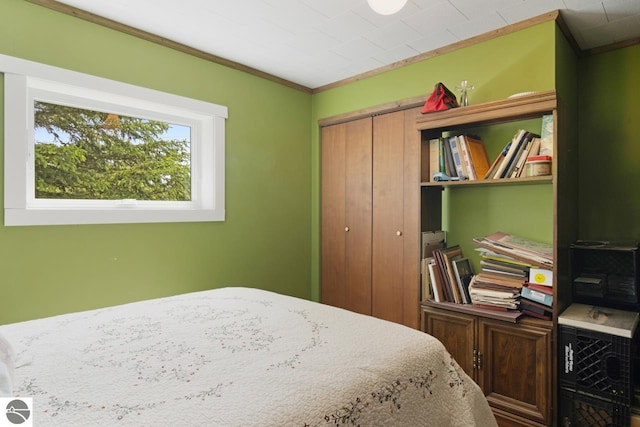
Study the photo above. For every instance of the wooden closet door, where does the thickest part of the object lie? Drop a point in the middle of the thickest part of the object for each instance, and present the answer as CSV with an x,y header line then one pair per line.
x,y
388,220
333,215
346,215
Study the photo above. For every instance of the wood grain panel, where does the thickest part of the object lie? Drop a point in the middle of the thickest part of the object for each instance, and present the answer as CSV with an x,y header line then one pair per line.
x,y
456,331
346,215
333,215
515,372
388,226
411,220
358,220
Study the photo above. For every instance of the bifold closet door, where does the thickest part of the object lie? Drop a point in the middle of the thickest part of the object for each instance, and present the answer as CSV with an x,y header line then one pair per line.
x,y
388,218
346,215
396,212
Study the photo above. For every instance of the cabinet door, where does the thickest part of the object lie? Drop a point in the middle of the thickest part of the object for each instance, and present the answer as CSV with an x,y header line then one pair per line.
x,y
515,368
388,220
346,215
456,331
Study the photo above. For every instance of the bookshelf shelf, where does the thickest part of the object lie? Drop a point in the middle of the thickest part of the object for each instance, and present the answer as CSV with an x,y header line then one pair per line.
x,y
490,113
547,179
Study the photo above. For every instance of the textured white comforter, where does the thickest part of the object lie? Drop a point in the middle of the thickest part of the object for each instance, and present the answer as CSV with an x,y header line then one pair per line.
x,y
237,357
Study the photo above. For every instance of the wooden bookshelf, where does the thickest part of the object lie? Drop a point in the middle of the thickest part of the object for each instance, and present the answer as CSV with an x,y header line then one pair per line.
x,y
474,334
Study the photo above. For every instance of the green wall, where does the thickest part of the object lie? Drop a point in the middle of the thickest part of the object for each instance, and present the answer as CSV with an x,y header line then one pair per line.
x,y
609,133
265,240
271,236
517,62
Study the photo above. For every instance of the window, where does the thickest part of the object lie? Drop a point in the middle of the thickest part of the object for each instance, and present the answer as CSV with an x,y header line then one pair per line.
x,y
85,150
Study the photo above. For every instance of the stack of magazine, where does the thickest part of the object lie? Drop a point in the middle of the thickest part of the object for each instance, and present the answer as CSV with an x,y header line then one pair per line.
x,y
529,251
506,263
499,283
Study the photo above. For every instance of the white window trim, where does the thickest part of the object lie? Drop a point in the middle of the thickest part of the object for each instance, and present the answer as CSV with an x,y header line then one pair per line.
x,y
26,81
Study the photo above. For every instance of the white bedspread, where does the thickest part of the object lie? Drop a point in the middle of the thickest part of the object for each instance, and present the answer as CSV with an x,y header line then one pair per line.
x,y
237,357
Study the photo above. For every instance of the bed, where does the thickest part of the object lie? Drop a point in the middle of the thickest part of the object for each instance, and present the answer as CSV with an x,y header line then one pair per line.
x,y
236,357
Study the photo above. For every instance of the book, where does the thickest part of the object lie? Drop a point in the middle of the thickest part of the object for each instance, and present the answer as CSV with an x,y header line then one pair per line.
x,y
478,156
432,240
448,255
544,315
607,320
425,283
463,273
434,157
546,136
532,304
441,276
522,158
436,285
522,244
509,155
507,303
505,267
497,279
476,287
536,253
456,155
539,288
466,160
498,161
540,297
443,159
493,256
525,137
450,166
535,149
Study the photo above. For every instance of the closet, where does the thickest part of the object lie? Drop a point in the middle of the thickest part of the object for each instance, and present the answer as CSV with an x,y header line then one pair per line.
x,y
370,215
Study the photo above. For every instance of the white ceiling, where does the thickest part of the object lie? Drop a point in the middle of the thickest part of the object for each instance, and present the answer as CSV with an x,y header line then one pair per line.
x,y
318,42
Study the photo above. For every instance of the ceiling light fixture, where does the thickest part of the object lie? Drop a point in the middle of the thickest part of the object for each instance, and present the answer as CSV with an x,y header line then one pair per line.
x,y
386,7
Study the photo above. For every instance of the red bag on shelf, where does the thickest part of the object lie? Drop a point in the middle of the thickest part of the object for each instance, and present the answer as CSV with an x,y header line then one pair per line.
x,y
440,99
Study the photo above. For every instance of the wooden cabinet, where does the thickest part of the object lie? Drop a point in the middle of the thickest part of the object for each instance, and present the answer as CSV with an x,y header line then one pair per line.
x,y
511,362
370,207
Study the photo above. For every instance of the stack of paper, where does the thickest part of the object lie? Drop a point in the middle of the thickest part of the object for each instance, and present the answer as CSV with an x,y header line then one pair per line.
x,y
529,251
500,282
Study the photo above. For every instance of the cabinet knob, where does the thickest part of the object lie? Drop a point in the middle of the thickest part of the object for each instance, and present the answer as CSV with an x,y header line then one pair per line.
x,y
398,233
346,229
